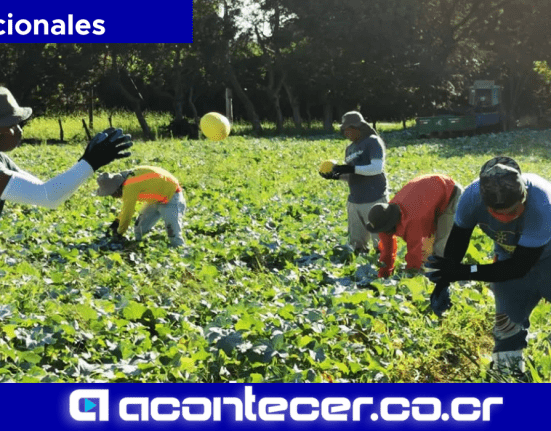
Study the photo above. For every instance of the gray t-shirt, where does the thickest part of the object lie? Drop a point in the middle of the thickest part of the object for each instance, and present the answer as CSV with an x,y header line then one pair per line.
x,y
363,188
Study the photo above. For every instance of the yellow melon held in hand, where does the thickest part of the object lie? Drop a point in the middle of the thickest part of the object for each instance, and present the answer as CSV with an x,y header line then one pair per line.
x,y
215,126
327,166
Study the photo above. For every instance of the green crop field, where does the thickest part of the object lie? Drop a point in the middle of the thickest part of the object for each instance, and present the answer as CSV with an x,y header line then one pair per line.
x,y
263,291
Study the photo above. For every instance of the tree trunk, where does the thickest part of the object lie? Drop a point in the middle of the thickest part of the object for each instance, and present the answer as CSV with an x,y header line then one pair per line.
x,y
135,103
309,115
511,111
178,103
178,89
229,105
178,109
193,107
60,130
249,106
274,93
279,114
137,108
517,84
143,123
341,110
327,116
295,106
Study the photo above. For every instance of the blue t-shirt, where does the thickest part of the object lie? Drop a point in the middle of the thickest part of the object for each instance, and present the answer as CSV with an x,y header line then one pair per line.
x,y
365,188
531,229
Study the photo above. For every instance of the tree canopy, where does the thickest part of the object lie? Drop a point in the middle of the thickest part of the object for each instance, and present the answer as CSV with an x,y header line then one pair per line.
x,y
304,60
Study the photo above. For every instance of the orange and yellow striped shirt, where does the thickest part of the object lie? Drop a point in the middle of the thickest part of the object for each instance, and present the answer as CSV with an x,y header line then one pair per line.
x,y
148,184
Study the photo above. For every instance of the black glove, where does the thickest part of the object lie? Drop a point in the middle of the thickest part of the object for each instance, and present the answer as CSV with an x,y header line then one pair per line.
x,y
446,270
112,232
112,229
329,176
342,169
440,298
105,147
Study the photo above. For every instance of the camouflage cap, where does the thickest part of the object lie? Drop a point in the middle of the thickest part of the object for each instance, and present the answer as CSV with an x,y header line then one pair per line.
x,y
501,183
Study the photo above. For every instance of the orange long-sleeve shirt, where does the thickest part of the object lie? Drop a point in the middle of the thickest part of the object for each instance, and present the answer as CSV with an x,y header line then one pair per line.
x,y
421,201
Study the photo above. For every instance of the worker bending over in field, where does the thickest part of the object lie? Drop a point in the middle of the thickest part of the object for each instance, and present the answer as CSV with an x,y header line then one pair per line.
x,y
364,172
514,210
422,211
161,194
17,185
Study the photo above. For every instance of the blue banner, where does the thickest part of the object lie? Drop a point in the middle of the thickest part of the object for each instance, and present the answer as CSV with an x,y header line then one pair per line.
x,y
100,21
127,406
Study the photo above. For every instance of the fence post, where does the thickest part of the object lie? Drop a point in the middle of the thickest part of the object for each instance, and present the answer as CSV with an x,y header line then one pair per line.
x,y
60,130
229,105
86,129
91,108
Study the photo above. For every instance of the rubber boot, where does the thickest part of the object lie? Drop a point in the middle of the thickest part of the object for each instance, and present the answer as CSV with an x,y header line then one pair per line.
x,y
510,362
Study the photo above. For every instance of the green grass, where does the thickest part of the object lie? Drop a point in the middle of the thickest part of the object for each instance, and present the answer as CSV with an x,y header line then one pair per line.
x,y
47,128
263,290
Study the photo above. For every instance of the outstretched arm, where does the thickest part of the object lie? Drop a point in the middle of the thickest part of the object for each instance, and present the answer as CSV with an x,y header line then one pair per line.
x,y
522,260
449,268
29,190
22,187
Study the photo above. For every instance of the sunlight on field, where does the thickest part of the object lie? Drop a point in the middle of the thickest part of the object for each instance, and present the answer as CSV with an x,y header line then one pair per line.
x,y
263,291
47,128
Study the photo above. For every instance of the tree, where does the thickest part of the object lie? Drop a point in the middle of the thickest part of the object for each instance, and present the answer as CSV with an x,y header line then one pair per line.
x,y
126,59
520,43
351,49
48,76
466,40
222,46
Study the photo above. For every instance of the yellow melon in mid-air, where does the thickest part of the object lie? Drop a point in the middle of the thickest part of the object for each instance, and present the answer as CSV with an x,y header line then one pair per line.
x,y
215,126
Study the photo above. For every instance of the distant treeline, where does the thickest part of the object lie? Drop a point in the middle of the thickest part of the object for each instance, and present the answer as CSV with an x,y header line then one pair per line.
x,y
303,60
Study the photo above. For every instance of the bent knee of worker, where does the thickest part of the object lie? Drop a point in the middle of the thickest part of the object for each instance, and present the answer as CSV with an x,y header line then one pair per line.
x,y
508,335
505,328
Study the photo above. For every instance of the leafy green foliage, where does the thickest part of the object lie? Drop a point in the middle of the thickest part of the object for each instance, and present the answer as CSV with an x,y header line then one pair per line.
x,y
264,290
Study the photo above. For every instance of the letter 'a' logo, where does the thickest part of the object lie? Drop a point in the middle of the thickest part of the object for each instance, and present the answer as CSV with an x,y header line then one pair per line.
x,y
91,410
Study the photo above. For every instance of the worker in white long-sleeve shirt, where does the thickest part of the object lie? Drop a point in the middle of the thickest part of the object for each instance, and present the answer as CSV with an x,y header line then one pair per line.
x,y
17,185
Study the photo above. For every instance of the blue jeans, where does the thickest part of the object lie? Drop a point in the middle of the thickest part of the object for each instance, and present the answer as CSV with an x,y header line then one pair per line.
x,y
515,300
172,214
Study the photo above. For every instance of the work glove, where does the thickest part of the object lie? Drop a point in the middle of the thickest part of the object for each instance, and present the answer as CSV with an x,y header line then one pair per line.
x,y
105,147
112,229
440,298
446,270
384,272
342,169
329,176
113,234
